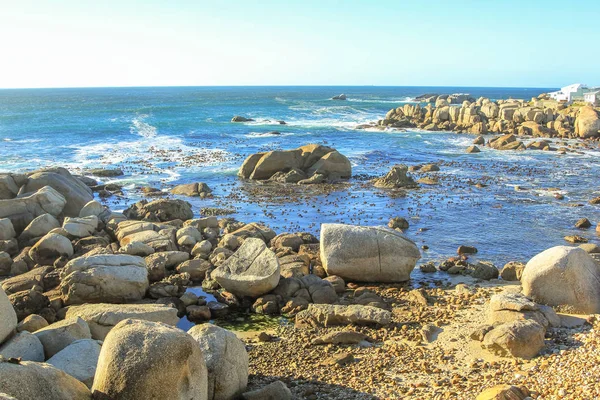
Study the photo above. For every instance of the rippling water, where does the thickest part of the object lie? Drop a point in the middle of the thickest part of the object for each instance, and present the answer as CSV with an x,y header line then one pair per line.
x,y
166,136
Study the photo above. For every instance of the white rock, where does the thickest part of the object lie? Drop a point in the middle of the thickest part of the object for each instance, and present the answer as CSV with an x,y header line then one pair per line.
x,y
79,360
25,346
92,208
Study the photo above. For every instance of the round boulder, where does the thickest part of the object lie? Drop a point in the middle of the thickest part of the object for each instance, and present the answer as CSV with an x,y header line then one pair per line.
x,y
564,275
143,360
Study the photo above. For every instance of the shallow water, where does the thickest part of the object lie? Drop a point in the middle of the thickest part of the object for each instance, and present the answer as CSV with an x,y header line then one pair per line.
x,y
166,136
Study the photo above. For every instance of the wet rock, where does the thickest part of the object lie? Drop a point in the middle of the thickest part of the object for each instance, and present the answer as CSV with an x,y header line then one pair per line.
x,y
102,317
575,239
466,250
398,223
106,172
239,118
161,210
330,315
144,360
198,189
473,149
396,178
428,267
226,361
252,270
339,97
197,313
563,275
369,254
512,271
311,160
485,270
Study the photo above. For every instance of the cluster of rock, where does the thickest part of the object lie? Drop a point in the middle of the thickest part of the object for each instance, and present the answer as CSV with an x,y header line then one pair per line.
x,y
91,297
562,276
455,98
308,164
538,118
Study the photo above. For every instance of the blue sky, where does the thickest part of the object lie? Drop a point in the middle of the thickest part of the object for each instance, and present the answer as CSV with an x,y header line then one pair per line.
x,y
65,43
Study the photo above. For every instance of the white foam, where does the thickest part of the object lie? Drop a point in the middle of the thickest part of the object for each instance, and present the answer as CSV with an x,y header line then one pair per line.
x,y
143,128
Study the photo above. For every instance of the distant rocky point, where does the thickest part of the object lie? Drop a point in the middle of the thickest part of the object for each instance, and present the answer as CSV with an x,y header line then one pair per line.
x,y
339,97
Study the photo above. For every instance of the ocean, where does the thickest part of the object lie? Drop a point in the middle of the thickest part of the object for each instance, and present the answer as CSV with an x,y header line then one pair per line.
x,y
162,137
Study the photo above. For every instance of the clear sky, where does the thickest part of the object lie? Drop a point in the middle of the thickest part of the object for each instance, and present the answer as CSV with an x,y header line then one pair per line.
x,y
70,43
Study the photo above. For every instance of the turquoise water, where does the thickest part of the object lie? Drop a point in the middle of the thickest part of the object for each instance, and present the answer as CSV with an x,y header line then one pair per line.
x,y
166,136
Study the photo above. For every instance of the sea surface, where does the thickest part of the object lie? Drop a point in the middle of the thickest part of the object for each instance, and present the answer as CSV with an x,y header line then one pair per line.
x,y
166,136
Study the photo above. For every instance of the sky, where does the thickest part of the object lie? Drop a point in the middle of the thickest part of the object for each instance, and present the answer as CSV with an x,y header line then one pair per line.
x,y
503,43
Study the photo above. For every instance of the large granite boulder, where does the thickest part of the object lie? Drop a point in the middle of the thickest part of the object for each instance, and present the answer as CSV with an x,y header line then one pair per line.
x,y
76,193
226,360
310,160
79,360
161,210
7,230
587,123
367,254
149,360
10,184
101,318
105,278
31,380
7,316
24,209
564,275
80,227
252,270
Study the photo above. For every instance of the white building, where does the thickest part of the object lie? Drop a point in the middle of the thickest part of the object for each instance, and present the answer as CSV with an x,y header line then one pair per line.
x,y
592,97
569,93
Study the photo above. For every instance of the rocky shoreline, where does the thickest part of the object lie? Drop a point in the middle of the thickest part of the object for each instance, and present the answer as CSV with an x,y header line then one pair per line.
x,y
91,299
540,117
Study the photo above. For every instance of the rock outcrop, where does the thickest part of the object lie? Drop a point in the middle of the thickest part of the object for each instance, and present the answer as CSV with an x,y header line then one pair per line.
x,y
323,315
303,165
367,254
396,179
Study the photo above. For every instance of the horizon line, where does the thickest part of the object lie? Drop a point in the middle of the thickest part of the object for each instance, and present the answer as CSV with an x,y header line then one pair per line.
x,y
282,86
